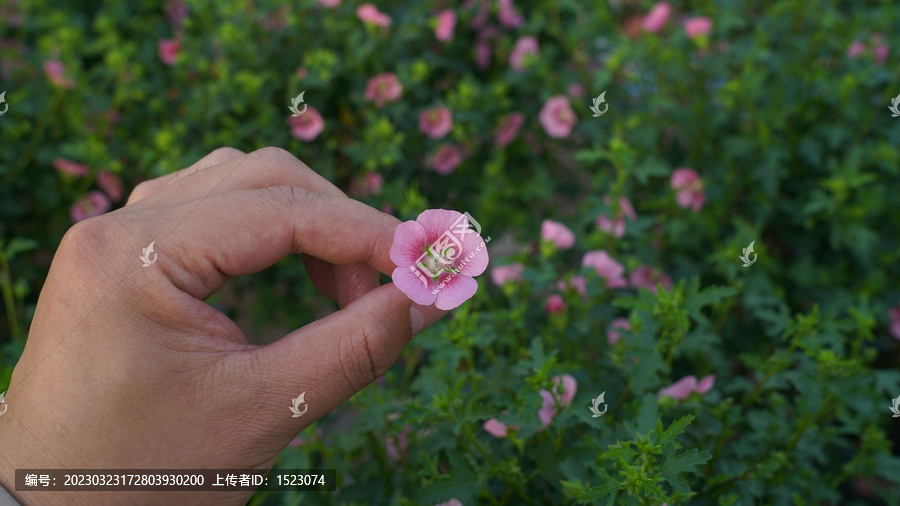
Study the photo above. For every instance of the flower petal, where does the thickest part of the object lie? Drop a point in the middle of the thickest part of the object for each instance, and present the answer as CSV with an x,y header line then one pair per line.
x,y
412,285
409,244
453,290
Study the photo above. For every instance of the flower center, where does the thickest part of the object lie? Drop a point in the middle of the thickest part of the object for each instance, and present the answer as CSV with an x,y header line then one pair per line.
x,y
436,262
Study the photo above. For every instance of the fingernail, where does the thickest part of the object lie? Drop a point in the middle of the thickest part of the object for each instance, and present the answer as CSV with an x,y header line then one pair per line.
x,y
423,316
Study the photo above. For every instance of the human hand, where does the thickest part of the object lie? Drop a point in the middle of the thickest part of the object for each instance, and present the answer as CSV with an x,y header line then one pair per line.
x,y
127,368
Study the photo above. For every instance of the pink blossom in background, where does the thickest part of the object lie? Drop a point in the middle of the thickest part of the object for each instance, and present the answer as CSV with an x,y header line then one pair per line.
x,y
557,117
445,160
436,122
54,70
657,17
10,14
111,184
578,283
297,442
383,88
397,450
330,4
308,125
366,185
446,24
442,278
69,167
302,73
558,234
525,46
176,11
503,274
617,227
683,388
894,317
482,54
554,304
368,13
508,129
576,90
613,335
689,188
697,27
168,50
94,203
508,15
565,395
879,48
856,49
452,502
483,9
705,384
495,428
647,277
606,268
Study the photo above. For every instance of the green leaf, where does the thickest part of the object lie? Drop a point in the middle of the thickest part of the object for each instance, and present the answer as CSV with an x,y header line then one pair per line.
x,y
685,462
18,245
462,484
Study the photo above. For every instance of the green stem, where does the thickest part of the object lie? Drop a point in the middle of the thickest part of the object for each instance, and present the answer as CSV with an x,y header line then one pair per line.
x,y
36,136
9,300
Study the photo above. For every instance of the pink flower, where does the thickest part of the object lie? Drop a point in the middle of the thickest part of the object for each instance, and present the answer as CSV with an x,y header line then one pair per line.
x,y
383,88
452,502
525,46
368,13
689,187
436,122
495,428
705,384
564,396
93,204
54,71
508,15
697,27
297,442
437,257
555,304
880,49
446,159
508,129
617,227
503,274
576,90
302,73
647,277
613,335
482,54
558,234
168,50
111,184
578,283
369,184
606,268
176,11
557,117
330,4
856,49
446,23
657,17
70,167
308,125
894,316
683,388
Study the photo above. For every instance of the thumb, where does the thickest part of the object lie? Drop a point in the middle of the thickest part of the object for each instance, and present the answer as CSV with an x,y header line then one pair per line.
x,y
334,358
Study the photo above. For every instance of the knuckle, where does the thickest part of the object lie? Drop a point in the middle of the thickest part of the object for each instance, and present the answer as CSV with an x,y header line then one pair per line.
x,y
142,190
86,239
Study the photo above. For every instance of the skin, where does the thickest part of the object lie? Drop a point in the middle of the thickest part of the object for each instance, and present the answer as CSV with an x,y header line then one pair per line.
x,y
127,368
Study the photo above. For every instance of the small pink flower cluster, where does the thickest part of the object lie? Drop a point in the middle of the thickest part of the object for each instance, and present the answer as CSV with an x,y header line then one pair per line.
x,y
687,385
880,50
94,202
658,16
